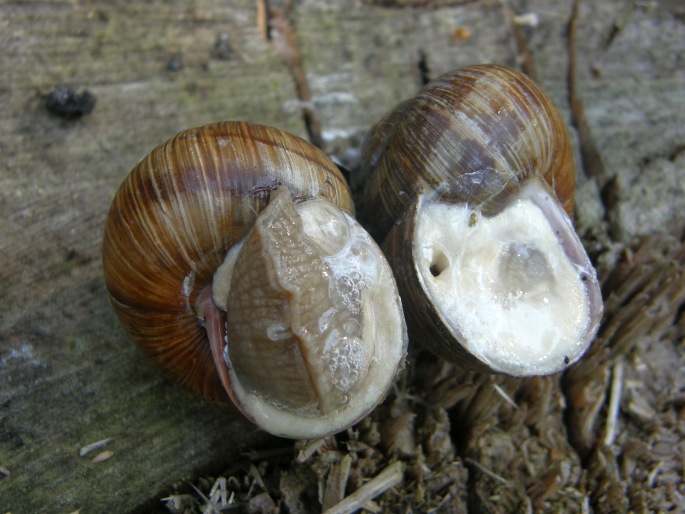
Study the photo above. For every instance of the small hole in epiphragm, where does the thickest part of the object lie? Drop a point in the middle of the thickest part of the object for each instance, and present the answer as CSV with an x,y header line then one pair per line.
x,y
439,264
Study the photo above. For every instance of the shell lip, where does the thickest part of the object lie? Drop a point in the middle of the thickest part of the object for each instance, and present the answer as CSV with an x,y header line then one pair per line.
x,y
292,425
214,321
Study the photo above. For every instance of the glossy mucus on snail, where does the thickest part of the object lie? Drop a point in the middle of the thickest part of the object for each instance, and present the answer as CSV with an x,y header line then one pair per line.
x,y
469,185
233,260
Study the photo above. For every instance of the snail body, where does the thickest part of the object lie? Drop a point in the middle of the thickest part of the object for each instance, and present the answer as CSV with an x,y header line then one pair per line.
x,y
471,188
233,261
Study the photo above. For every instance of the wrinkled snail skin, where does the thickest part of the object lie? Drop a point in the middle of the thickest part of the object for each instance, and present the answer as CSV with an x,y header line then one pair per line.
x,y
470,187
234,263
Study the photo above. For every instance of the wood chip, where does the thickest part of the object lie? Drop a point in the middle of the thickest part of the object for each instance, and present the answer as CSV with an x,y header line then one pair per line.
x,y
102,456
309,448
262,20
506,397
651,479
218,492
389,477
461,34
489,473
283,38
530,19
614,404
93,446
336,482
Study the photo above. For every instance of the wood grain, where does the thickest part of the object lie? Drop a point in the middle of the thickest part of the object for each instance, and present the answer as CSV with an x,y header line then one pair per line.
x,y
69,375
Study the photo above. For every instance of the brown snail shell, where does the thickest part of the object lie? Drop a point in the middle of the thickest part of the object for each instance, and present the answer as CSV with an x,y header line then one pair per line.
x,y
470,186
234,263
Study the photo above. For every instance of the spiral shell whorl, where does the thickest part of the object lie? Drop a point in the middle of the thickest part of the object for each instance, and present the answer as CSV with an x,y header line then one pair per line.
x,y
176,215
475,133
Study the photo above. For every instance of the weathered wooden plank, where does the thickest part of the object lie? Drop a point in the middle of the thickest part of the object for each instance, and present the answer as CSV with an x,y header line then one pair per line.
x,y
69,375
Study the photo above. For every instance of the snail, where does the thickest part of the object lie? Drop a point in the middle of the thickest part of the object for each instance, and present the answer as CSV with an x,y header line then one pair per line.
x,y
469,186
233,261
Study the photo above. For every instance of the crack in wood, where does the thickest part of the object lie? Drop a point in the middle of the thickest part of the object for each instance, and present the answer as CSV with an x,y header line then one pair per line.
x,y
621,20
423,68
274,24
590,156
524,56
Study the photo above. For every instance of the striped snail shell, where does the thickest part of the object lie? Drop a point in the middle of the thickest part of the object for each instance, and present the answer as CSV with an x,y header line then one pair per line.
x,y
470,186
233,261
